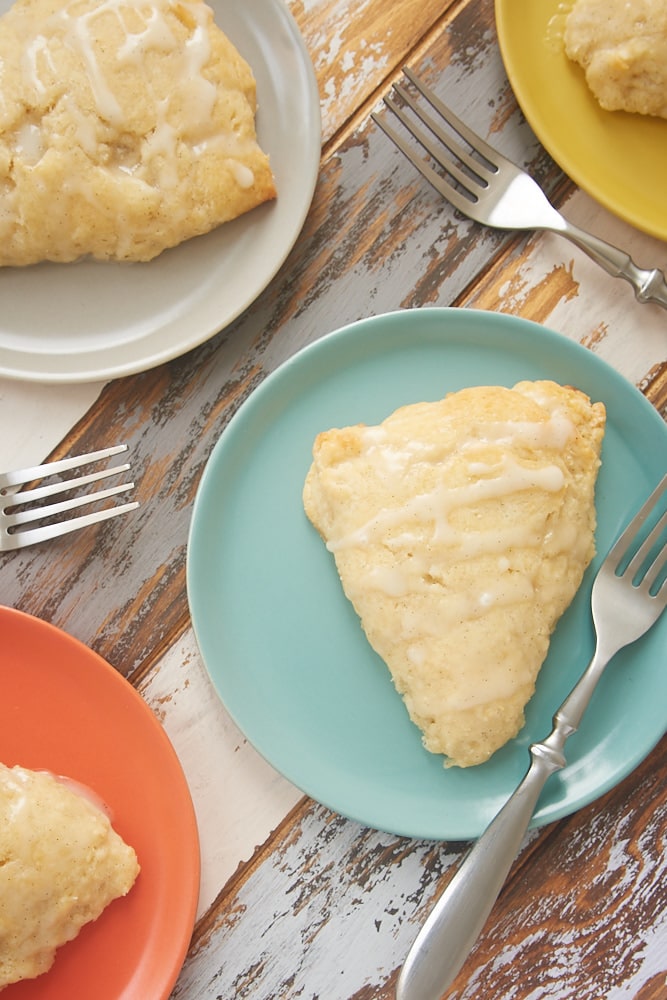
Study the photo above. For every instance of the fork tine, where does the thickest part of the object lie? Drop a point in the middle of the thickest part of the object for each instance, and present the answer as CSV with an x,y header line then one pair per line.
x,y
14,499
429,145
620,550
22,539
474,141
50,510
440,183
657,567
642,575
20,476
476,168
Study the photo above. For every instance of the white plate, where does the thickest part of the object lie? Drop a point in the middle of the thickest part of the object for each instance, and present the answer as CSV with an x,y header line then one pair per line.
x,y
91,321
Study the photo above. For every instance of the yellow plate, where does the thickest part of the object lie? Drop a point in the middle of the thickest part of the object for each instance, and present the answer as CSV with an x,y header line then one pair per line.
x,y
620,159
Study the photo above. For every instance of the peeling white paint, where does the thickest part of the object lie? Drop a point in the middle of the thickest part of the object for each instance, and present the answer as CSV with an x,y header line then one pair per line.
x,y
238,798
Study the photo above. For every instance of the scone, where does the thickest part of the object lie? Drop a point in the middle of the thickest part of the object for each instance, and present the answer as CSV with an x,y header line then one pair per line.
x,y
461,530
125,128
61,864
622,47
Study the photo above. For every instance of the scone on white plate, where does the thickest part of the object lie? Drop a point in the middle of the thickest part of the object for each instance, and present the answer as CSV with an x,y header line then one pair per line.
x,y
461,530
125,128
61,865
622,47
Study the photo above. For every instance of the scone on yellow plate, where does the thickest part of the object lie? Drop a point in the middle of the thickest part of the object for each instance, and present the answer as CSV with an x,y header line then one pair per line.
x,y
125,128
622,47
61,864
461,530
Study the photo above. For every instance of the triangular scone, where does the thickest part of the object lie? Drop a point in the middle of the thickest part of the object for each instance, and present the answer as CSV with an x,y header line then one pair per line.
x,y
461,530
61,864
125,128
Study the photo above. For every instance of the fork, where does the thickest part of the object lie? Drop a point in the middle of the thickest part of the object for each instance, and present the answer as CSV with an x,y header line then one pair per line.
x,y
488,188
16,510
629,594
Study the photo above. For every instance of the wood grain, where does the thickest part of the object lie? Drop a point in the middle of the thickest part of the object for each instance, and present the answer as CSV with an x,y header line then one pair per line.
x,y
355,45
324,907
600,877
343,892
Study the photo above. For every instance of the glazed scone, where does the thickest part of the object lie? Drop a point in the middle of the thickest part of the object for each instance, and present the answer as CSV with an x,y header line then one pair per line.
x,y
622,48
461,530
125,128
61,864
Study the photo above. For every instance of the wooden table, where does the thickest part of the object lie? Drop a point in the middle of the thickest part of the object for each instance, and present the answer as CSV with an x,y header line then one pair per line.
x,y
295,900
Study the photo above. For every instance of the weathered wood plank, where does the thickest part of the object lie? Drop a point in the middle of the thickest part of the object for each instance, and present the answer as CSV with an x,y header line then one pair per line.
x,y
336,894
239,799
356,44
332,910
555,283
600,877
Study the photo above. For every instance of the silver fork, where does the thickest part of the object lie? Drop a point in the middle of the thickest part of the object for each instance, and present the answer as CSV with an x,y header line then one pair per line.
x,y
628,598
487,187
17,507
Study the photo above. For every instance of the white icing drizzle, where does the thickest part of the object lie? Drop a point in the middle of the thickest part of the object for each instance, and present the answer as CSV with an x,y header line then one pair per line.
x,y
242,174
29,143
145,28
161,143
412,534
86,133
79,37
510,477
156,35
37,47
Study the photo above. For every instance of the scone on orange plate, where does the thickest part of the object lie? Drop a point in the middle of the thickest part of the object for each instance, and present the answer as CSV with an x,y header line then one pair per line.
x,y
461,530
125,128
61,865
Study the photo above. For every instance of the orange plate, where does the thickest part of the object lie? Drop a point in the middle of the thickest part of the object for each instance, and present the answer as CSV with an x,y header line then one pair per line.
x,y
65,709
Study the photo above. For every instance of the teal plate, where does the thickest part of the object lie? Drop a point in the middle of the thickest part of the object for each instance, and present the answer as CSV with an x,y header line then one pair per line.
x,y
285,650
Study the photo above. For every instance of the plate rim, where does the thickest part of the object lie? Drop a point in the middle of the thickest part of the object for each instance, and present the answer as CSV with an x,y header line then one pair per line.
x,y
18,621
557,342
105,361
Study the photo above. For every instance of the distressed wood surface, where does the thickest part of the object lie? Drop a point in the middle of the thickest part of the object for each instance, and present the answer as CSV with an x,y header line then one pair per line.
x,y
377,239
333,907
296,901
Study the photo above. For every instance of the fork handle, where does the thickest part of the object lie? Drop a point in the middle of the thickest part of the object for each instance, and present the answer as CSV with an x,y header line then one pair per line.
x,y
457,919
649,286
